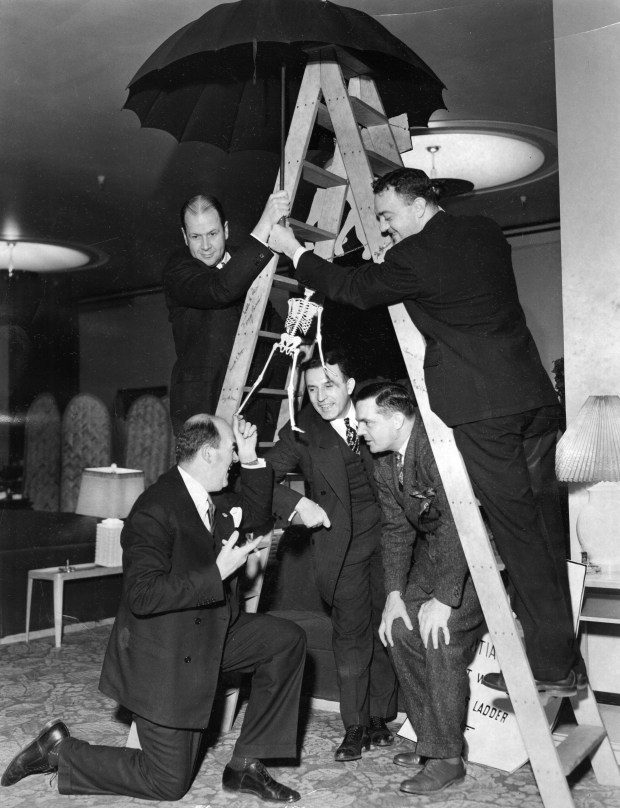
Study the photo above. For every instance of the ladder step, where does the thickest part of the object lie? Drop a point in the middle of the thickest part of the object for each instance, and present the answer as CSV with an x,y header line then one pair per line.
x,y
381,165
267,391
321,177
578,745
364,114
269,335
284,282
305,232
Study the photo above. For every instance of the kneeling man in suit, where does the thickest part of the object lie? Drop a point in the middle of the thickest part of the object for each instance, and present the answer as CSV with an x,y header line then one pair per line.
x,y
178,627
431,613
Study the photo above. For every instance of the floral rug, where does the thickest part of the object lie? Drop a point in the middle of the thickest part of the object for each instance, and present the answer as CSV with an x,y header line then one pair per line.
x,y
39,682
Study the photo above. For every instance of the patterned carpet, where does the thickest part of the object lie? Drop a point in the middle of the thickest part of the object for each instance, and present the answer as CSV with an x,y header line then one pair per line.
x,y
39,682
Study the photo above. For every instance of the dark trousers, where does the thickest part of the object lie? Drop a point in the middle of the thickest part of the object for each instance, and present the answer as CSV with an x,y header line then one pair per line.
x,y
270,648
366,679
511,463
434,681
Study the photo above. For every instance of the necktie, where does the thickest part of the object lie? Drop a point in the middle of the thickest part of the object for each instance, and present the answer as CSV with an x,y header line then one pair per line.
x,y
399,469
353,441
209,515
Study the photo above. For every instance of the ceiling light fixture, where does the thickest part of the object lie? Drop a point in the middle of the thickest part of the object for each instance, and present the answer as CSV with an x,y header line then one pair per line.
x,y
492,155
44,255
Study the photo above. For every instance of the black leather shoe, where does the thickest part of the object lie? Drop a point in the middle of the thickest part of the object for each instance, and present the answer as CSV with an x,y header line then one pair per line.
x,y
33,758
408,759
379,733
355,739
561,687
255,779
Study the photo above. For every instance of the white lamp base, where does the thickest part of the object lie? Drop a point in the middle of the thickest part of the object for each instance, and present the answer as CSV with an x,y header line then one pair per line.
x,y
108,551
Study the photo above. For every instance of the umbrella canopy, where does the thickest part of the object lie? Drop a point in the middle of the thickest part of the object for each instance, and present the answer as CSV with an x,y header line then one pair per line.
x,y
217,79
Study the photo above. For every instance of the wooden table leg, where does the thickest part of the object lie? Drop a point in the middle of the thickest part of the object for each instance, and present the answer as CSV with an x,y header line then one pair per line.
x,y
58,587
28,605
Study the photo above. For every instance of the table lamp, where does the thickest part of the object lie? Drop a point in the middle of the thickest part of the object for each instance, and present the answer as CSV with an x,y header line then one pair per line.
x,y
109,492
589,452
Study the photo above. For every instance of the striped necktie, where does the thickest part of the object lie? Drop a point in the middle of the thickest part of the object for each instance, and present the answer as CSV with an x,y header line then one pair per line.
x,y
353,441
399,469
209,515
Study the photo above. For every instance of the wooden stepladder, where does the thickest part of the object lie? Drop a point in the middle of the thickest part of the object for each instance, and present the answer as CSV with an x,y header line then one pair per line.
x,y
367,144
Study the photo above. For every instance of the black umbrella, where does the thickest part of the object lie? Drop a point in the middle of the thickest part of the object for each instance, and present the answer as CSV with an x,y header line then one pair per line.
x,y
218,79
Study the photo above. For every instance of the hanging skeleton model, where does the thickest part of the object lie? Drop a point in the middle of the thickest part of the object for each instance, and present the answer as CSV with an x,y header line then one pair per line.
x,y
301,313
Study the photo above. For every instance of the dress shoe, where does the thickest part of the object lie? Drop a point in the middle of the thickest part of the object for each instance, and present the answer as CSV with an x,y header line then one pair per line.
x,y
255,779
34,758
355,739
561,687
436,775
410,760
379,733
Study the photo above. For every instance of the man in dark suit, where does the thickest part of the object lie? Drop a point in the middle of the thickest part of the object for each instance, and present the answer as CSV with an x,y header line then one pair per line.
x,y
178,627
346,547
432,613
485,380
205,291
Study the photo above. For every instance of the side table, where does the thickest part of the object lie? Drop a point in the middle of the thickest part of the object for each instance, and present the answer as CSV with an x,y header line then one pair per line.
x,y
58,575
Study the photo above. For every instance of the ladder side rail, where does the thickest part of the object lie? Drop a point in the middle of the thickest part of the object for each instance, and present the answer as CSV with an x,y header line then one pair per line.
x,y
350,142
552,784
255,304
531,717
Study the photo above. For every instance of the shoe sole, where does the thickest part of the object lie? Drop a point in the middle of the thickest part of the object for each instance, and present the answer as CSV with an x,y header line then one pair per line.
x,y
260,796
421,792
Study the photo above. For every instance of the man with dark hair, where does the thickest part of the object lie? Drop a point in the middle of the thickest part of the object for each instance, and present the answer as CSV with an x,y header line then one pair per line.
x,y
431,613
346,551
486,381
205,291
178,627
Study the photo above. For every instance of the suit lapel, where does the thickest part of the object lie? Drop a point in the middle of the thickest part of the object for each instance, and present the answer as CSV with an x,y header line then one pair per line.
x,y
328,457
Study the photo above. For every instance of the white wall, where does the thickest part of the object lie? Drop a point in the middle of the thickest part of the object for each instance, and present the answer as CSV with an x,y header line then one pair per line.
x,y
587,60
538,272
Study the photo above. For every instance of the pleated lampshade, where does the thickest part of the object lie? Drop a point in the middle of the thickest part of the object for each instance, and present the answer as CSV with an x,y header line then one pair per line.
x,y
589,450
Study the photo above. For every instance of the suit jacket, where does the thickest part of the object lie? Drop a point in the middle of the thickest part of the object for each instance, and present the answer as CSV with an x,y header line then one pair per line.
x,y
317,454
204,308
164,653
440,567
456,280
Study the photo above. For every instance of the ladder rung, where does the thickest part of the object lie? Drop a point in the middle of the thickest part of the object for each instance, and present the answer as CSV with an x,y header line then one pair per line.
x,y
269,335
266,444
284,282
321,177
364,114
305,232
578,745
267,391
380,164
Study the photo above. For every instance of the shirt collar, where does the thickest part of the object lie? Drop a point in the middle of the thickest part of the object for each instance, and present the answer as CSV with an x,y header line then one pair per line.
x,y
224,260
196,490
338,423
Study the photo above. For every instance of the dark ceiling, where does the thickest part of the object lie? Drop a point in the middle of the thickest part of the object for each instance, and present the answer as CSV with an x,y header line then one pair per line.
x,y
65,68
